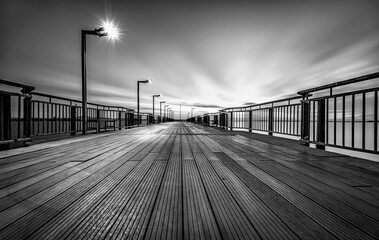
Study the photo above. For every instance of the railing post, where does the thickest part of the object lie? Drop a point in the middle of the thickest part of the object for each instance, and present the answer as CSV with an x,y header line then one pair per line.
x,y
119,120
27,117
73,120
231,121
305,120
5,120
250,120
98,121
126,119
321,124
270,121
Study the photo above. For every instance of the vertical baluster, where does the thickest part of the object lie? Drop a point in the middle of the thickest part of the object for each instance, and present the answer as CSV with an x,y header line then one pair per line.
x,y
343,119
327,120
298,128
335,121
287,119
291,120
352,119
280,119
38,116
19,117
376,121
314,119
56,117
364,120
48,118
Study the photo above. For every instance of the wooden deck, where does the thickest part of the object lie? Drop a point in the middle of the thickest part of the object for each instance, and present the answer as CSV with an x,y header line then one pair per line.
x,y
185,181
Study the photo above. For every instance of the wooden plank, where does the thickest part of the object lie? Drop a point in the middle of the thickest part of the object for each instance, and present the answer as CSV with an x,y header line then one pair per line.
x,y
83,170
267,224
77,219
186,150
166,218
83,221
198,218
183,180
328,220
230,218
300,223
45,213
339,183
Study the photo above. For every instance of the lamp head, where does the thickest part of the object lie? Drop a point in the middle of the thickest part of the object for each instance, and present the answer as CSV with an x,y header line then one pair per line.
x,y
157,95
145,81
109,29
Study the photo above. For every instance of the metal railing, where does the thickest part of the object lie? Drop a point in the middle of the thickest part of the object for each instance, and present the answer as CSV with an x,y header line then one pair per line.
x,y
338,116
53,115
15,122
29,114
342,114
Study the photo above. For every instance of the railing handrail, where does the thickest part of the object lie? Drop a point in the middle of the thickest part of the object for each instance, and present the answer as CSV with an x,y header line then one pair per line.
x,y
260,104
78,101
340,83
25,88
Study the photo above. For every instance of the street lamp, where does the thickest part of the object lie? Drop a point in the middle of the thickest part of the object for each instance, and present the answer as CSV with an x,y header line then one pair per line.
x,y
160,110
154,96
110,30
138,82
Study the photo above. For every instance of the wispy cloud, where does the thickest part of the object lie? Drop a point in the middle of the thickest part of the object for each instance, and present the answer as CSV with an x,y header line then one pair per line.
x,y
202,55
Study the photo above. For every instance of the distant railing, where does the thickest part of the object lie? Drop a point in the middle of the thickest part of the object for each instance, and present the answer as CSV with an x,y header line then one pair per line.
x,y
29,114
342,114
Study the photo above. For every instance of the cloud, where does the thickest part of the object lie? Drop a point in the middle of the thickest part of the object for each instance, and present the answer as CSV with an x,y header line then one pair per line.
x,y
207,56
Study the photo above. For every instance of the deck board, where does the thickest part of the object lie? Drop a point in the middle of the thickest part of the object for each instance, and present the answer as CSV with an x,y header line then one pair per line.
x,y
185,181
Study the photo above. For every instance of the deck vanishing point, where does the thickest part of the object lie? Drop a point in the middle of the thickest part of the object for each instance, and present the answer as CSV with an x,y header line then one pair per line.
x,y
185,181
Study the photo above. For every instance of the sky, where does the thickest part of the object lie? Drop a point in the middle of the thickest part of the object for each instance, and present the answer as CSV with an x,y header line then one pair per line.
x,y
205,55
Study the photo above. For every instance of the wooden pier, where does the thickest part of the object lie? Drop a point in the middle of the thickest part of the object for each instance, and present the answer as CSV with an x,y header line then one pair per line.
x,y
185,181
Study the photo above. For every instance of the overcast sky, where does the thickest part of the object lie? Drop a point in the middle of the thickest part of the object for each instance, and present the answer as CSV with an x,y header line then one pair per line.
x,y
204,55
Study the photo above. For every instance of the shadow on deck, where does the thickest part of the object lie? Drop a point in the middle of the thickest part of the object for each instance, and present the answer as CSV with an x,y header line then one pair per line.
x,y
185,181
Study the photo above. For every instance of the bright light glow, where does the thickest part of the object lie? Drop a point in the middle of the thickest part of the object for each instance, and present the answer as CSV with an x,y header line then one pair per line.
x,y
111,29
149,80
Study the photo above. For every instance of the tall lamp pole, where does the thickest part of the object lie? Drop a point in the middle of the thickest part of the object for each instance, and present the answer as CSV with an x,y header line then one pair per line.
x,y
160,110
164,112
138,82
108,30
154,96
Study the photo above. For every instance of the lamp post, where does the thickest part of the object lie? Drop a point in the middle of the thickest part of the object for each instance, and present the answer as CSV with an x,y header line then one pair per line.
x,y
138,82
160,110
108,30
168,112
164,112
154,96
